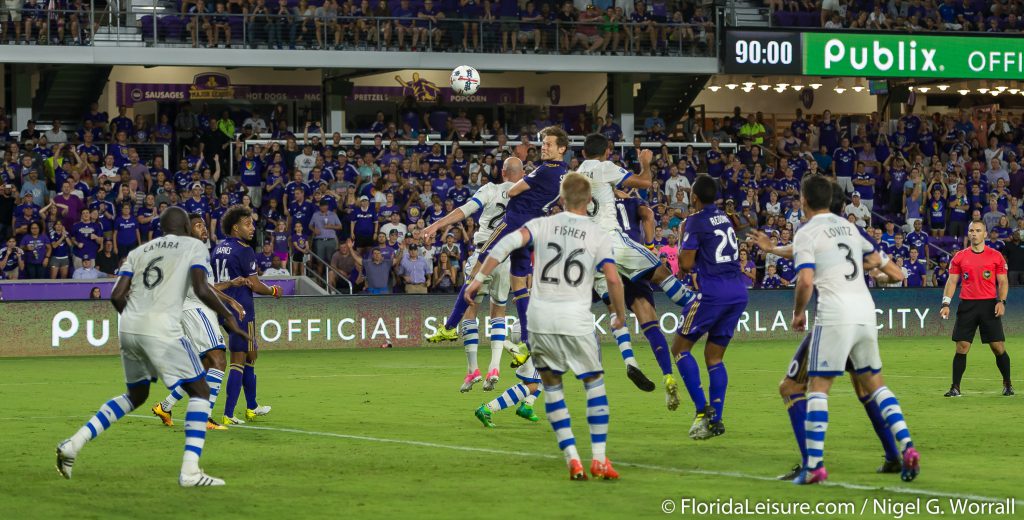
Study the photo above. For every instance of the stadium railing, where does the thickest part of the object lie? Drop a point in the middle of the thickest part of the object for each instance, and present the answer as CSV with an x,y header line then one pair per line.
x,y
160,25
324,281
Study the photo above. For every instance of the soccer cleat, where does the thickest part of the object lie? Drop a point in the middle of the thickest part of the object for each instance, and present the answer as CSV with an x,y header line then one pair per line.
x,y
230,419
811,476
65,460
260,411
890,466
492,379
1008,390
603,470
671,393
444,334
158,410
576,470
214,425
483,414
472,378
520,353
200,479
791,474
953,392
639,379
701,428
526,412
911,464
716,428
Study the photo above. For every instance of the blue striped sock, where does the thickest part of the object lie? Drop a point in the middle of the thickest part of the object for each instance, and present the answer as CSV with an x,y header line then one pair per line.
x,y
470,342
214,378
659,346
718,382
172,399
597,417
498,335
558,416
625,345
195,434
108,414
690,372
796,407
893,416
815,428
507,398
676,291
532,397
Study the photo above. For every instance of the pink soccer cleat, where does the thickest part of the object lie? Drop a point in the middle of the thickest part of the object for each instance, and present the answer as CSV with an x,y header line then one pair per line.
x,y
472,378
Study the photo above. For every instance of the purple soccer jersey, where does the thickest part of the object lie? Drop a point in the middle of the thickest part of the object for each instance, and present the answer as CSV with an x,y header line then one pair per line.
x,y
718,275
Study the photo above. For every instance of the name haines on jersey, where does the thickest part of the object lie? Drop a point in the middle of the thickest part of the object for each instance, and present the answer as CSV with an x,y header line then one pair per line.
x,y
835,249
604,176
493,200
568,250
160,272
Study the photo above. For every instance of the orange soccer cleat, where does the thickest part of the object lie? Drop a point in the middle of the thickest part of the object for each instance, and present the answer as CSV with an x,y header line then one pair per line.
x,y
603,470
576,470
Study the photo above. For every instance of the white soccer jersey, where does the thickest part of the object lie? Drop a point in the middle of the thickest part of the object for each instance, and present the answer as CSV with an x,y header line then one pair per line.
x,y
191,300
835,249
568,250
493,198
160,272
605,177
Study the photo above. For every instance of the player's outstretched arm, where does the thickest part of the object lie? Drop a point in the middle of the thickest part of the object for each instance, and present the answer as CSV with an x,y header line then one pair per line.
x,y
206,294
119,296
648,223
645,178
457,215
259,287
519,187
230,302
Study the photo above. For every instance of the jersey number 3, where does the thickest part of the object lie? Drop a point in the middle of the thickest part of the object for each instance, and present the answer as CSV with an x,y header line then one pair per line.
x,y
849,258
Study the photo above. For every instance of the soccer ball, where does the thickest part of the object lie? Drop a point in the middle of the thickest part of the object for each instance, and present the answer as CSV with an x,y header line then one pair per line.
x,y
465,80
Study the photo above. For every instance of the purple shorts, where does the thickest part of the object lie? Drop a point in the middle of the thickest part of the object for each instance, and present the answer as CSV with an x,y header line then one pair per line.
x,y
520,263
717,320
638,290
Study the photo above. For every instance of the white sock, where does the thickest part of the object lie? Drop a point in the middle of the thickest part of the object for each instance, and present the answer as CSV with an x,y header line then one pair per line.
x,y
108,414
597,417
498,336
214,378
530,399
197,414
625,343
558,416
470,341
815,427
172,398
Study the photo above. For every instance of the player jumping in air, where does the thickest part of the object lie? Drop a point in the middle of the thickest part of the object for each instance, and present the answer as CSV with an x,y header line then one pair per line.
x,y
149,295
201,328
568,249
709,249
234,263
530,197
491,200
829,252
793,386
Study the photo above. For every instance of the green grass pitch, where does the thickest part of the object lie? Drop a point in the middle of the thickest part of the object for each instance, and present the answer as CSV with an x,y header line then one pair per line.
x,y
386,434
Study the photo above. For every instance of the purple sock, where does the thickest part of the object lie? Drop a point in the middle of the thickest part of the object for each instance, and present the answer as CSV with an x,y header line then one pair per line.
x,y
458,311
881,428
659,345
522,300
234,388
249,386
718,381
691,378
796,406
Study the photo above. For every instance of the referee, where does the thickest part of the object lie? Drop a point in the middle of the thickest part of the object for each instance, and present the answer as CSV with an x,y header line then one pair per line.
x,y
983,271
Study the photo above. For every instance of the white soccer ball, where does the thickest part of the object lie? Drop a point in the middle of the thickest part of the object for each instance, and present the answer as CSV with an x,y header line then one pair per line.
x,y
465,80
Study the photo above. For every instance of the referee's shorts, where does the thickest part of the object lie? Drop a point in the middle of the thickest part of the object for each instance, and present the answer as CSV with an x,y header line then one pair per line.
x,y
974,315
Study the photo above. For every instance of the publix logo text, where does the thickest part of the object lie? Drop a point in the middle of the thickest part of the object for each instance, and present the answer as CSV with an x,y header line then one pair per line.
x,y
903,57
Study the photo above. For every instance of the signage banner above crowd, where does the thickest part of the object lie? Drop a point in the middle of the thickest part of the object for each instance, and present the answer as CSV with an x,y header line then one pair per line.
x,y
426,91
213,86
870,55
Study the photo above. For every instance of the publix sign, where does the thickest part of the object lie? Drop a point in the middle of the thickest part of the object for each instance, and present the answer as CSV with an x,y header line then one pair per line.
x,y
901,55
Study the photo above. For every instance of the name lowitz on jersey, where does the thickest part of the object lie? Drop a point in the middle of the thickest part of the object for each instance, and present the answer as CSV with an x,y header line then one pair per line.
x,y
571,231
835,232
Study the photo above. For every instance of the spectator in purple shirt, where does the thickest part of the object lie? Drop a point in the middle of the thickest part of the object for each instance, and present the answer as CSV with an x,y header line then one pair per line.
x,y
404,24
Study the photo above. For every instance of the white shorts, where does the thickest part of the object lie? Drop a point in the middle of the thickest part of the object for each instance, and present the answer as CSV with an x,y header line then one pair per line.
x,y
633,261
830,5
846,183
497,285
202,330
145,358
559,353
832,345
527,372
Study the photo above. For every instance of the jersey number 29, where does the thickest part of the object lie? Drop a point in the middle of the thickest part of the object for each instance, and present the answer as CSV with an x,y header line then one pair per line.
x,y
728,239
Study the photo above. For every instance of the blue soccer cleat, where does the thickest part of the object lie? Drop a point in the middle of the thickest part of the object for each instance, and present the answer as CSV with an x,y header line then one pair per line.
x,y
811,476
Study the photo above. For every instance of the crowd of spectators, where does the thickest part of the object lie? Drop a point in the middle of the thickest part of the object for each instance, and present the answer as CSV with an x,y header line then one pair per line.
x,y
902,15
537,26
69,210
